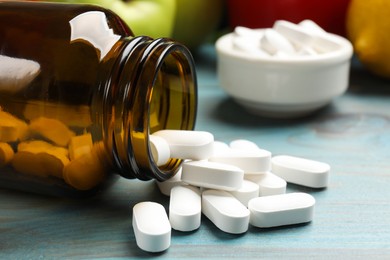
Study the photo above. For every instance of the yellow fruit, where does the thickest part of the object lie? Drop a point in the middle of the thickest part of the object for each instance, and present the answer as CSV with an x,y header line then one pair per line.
x,y
368,27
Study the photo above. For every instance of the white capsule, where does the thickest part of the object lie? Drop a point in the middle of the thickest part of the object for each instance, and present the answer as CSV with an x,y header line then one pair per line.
x,y
220,147
269,183
301,171
312,27
249,45
274,42
225,211
160,150
248,191
212,175
280,210
248,160
247,32
185,144
295,33
151,227
166,186
243,144
185,208
302,36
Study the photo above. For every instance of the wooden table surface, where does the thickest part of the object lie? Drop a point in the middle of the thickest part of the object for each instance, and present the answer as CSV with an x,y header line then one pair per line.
x,y
352,216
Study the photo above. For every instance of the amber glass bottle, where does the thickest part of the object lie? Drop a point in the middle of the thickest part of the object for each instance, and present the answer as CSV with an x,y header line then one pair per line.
x,y
79,96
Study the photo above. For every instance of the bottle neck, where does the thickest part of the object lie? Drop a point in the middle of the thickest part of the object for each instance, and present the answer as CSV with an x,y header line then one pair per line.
x,y
152,87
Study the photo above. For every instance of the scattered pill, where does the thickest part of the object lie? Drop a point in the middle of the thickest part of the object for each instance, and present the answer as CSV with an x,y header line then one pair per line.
x,y
280,210
185,208
243,144
166,186
151,227
301,171
219,147
225,211
248,191
273,42
195,145
160,150
212,175
269,183
248,160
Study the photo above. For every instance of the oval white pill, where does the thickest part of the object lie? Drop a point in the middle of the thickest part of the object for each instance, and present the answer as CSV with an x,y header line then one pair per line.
x,y
269,184
166,186
212,175
312,26
298,35
301,171
248,160
225,211
185,208
220,147
160,150
248,191
247,32
249,45
151,226
280,210
243,144
185,144
273,42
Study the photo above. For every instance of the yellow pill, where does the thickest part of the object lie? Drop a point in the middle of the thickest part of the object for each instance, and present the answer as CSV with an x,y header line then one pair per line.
x,y
12,128
86,171
6,154
52,129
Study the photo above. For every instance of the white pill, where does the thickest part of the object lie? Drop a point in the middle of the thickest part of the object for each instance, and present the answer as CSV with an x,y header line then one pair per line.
x,y
220,147
243,144
248,160
312,26
225,211
249,45
269,183
298,35
280,210
160,150
301,171
248,191
185,144
274,42
185,208
302,36
212,175
166,186
247,32
151,227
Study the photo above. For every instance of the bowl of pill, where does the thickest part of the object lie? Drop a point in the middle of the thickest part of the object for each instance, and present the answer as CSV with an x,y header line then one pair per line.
x,y
288,70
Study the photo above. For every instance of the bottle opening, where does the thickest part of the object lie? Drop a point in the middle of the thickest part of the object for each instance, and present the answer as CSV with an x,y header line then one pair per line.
x,y
157,90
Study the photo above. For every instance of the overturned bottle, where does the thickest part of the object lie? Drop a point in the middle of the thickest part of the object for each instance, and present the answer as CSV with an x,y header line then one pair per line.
x,y
80,95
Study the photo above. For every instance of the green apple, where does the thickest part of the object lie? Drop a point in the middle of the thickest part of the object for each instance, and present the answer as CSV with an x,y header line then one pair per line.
x,y
196,20
154,18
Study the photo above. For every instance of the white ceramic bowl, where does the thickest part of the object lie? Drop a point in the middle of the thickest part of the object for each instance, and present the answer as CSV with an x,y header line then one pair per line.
x,y
283,87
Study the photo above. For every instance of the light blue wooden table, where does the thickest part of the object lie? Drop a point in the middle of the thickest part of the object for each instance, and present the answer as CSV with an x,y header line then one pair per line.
x,y
352,216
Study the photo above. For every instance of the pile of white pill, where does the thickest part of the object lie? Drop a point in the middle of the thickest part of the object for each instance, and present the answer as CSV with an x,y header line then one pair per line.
x,y
233,185
285,39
